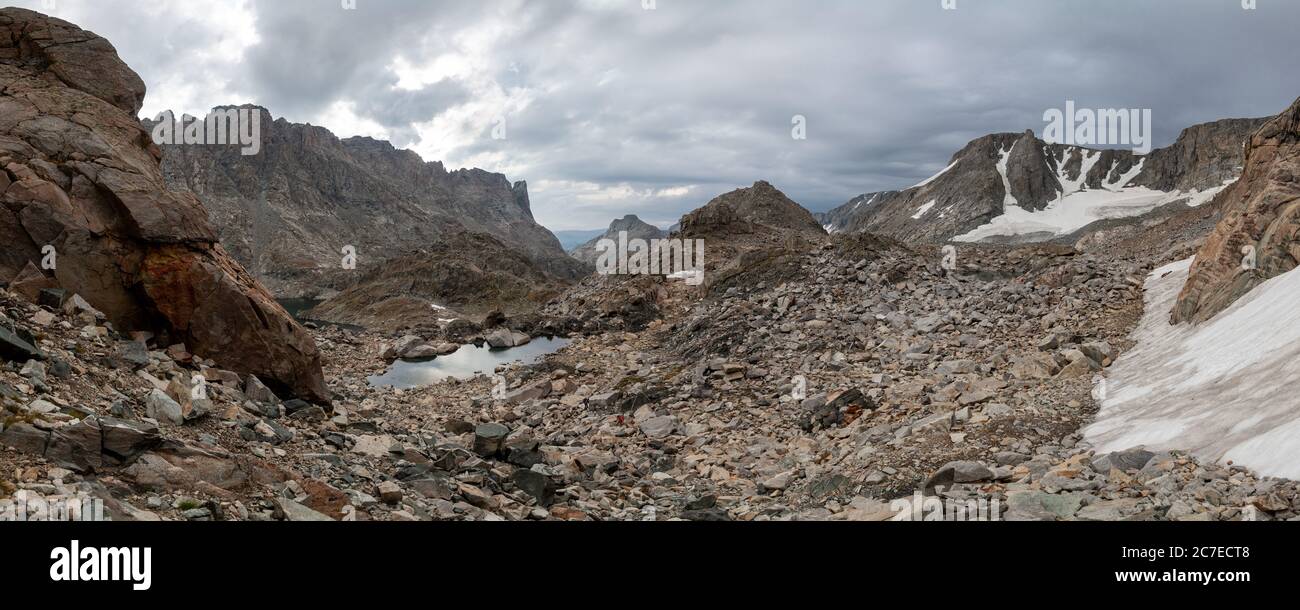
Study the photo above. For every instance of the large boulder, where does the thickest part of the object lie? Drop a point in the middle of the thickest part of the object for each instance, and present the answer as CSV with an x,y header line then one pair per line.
x,y
1261,214
81,175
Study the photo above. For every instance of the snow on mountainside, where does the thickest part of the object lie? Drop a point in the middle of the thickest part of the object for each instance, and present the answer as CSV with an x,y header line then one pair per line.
x,y
1223,389
1077,206
1017,187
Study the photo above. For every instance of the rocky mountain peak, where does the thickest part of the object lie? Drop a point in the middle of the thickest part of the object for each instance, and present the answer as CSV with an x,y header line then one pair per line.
x,y
631,224
759,209
520,190
1204,156
995,172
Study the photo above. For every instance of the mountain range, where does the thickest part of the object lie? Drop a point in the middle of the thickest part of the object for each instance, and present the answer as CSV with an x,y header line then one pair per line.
x,y
1115,338
1016,187
287,212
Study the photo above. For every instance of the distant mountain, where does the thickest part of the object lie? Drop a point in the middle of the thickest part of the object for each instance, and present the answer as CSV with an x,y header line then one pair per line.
x,y
1016,187
630,224
287,212
572,239
758,219
758,211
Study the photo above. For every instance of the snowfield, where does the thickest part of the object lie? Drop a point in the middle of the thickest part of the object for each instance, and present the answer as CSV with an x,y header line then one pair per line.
x,y
1224,390
1076,207
1070,213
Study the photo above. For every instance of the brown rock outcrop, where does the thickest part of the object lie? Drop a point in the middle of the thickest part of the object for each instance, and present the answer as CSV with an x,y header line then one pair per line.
x,y
80,174
760,211
1260,211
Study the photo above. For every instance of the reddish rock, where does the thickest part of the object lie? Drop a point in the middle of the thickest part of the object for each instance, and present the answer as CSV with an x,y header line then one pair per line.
x,y
325,499
1260,211
82,175
30,282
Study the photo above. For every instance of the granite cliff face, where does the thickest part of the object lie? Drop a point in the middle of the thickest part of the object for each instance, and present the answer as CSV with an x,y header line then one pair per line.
x,y
1261,213
1003,174
630,224
288,212
81,176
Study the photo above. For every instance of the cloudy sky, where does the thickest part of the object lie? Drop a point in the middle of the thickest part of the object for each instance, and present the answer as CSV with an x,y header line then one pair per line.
x,y
654,107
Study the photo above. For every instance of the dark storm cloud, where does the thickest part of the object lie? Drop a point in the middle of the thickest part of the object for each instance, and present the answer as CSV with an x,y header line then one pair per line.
x,y
613,109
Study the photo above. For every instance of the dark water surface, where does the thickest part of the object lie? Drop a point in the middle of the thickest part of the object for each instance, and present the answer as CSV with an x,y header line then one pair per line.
x,y
467,363
296,307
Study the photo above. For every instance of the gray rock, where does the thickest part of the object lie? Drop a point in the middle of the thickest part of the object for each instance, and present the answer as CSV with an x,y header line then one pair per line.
x,y
1100,352
659,427
534,391
500,338
294,511
125,440
77,305
1123,461
959,473
41,406
160,407
257,391
132,355
1040,506
1111,510
928,324
535,484
398,349
489,439
77,447
25,438
34,370
1035,366
15,349
603,401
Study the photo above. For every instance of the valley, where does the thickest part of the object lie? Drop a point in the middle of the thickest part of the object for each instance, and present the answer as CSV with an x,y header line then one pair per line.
x,y
1063,333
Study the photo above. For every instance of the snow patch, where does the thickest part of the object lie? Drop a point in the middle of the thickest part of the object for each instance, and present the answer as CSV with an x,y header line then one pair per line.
x,y
1007,200
873,200
1069,213
1222,389
936,176
1200,198
1123,179
1090,160
925,208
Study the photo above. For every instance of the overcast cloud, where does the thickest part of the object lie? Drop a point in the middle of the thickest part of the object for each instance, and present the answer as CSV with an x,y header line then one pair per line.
x,y
612,109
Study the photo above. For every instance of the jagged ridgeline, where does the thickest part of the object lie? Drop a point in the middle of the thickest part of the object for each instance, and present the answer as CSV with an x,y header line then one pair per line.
x,y
288,211
1016,187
